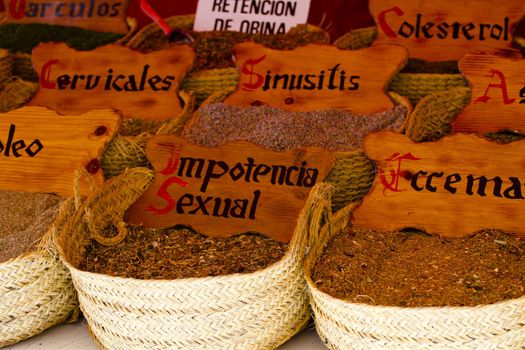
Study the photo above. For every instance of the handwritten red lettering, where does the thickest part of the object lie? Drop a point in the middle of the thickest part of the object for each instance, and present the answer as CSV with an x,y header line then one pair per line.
x,y
247,69
501,85
45,75
393,184
17,12
171,168
381,18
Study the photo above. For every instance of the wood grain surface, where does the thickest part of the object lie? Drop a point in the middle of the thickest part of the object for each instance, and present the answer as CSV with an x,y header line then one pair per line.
x,y
141,85
99,15
41,150
498,93
453,187
446,30
316,77
235,188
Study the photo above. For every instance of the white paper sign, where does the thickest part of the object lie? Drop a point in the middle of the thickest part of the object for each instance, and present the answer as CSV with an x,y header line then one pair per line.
x,y
251,16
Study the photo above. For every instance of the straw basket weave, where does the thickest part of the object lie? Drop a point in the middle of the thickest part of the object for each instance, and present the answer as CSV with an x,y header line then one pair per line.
x,y
36,289
259,310
346,325
415,86
124,152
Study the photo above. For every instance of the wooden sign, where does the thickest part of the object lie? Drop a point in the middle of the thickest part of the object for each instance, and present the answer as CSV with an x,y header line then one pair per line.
x,y
40,150
498,93
141,85
446,30
315,77
99,15
235,188
452,187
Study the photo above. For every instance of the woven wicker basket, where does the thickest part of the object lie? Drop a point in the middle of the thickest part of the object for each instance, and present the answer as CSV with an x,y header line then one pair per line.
x,y
346,325
36,289
259,310
415,86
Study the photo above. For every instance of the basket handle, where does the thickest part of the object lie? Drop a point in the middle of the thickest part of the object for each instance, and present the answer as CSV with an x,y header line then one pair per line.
x,y
318,202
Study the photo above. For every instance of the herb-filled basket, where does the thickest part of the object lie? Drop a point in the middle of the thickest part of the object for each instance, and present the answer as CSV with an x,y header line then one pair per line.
x,y
36,288
257,310
354,324
353,173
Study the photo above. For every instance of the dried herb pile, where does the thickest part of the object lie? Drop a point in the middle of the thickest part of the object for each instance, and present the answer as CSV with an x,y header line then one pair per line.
x,y
415,269
279,130
214,49
415,65
24,219
181,253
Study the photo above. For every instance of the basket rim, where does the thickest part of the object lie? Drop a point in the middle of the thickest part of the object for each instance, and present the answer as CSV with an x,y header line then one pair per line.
x,y
287,258
367,307
35,253
291,262
315,292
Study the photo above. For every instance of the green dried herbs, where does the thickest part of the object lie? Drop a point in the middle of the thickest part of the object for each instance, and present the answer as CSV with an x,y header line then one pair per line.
x,y
24,37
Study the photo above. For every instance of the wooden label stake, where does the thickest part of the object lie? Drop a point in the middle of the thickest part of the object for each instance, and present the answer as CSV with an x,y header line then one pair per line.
x,y
141,85
316,77
41,150
498,93
235,188
453,187
446,30
99,15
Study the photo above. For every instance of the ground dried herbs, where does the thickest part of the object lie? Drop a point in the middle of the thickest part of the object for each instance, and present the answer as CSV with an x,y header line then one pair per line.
x,y
23,38
415,269
181,253
24,218
415,65
214,49
280,130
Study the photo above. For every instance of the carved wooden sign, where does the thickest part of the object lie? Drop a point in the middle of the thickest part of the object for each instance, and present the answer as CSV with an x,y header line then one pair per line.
x,y
40,150
446,30
498,93
99,15
141,85
235,188
315,77
453,187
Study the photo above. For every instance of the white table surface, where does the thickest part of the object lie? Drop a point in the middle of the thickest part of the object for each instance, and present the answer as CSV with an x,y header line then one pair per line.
x,y
75,337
